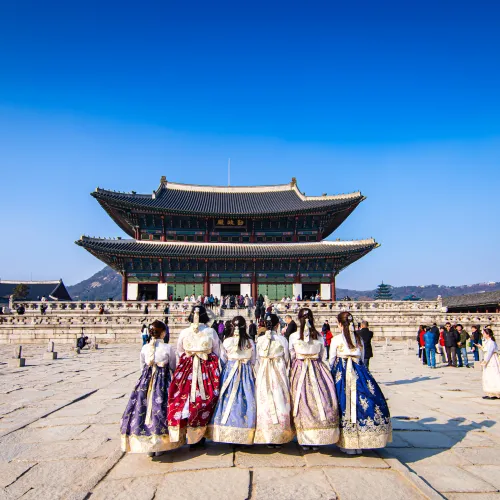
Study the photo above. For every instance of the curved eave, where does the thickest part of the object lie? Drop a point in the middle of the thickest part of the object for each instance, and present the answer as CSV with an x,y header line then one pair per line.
x,y
154,249
339,205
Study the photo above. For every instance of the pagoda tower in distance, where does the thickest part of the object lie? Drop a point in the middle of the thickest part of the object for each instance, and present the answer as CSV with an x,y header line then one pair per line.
x,y
253,240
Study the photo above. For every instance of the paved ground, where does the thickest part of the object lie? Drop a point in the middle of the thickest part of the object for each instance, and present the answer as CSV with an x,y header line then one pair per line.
x,y
59,439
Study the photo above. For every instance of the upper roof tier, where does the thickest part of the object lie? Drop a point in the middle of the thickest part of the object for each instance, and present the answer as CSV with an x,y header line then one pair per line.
x,y
284,199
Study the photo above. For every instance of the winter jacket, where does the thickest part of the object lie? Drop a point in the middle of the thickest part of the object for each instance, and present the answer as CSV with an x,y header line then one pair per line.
x,y
366,336
464,337
429,340
451,337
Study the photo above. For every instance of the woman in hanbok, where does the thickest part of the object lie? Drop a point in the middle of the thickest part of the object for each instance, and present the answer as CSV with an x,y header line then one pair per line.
x,y
274,426
314,401
144,422
236,411
195,384
491,365
365,421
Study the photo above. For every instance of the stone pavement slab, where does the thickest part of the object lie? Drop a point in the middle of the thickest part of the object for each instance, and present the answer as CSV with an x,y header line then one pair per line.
x,y
362,484
260,456
332,457
225,484
490,473
291,484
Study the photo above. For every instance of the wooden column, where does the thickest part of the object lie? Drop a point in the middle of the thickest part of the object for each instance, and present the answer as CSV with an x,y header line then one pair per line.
x,y
162,279
206,281
333,291
124,286
254,286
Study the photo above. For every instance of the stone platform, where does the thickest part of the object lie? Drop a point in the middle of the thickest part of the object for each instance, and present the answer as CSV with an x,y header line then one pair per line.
x,y
59,438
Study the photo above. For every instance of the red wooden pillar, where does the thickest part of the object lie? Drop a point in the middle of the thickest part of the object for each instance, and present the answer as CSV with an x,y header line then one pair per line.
x,y
124,286
206,281
254,286
333,291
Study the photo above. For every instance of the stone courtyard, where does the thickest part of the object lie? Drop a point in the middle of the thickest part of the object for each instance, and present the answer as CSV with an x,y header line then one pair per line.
x,y
59,438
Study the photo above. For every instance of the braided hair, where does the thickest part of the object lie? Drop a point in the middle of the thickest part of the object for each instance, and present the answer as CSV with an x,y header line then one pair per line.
x,y
346,320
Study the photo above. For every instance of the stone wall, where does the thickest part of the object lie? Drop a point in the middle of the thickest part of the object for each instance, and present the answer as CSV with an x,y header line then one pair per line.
x,y
122,321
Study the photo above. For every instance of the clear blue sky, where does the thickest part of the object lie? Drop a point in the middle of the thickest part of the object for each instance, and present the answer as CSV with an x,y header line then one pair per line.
x,y
397,99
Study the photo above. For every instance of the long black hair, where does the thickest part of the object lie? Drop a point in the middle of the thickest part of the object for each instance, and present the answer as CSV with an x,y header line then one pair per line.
x,y
489,331
345,319
306,316
201,311
271,321
239,325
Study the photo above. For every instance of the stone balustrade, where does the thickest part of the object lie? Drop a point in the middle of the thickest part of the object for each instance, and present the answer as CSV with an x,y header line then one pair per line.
x,y
122,321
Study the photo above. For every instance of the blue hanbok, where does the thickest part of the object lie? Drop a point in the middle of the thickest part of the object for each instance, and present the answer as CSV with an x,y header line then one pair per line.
x,y
235,415
365,421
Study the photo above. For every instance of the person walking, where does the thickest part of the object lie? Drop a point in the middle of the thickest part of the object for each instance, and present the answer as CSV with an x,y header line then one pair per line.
x,y
366,336
462,345
167,331
422,345
450,341
441,344
491,365
430,347
475,339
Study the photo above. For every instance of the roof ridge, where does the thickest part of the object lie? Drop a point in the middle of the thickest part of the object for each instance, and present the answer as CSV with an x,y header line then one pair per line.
x,y
27,282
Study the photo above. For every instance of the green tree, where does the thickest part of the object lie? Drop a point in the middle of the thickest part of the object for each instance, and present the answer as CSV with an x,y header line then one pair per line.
x,y
21,291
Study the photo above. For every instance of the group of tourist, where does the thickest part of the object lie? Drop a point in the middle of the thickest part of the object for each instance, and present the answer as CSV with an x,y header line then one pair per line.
x,y
452,343
267,391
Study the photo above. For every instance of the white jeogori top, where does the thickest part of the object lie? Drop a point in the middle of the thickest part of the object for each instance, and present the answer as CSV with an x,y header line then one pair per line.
x,y
275,346
489,347
164,354
234,353
204,340
302,348
340,349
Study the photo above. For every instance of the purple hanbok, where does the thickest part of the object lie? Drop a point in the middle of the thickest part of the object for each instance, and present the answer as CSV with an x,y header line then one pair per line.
x,y
144,426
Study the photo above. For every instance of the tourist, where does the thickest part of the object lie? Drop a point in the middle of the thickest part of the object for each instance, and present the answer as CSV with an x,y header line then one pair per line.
x,y
143,426
291,326
195,383
262,328
272,387
220,330
475,339
166,309
491,365
227,329
211,301
422,353
430,347
366,336
441,344
145,334
235,414
252,330
451,338
20,309
82,342
146,310
365,421
43,309
463,359
314,400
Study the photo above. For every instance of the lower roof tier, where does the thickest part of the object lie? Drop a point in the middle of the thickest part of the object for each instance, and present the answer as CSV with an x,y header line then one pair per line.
x,y
114,252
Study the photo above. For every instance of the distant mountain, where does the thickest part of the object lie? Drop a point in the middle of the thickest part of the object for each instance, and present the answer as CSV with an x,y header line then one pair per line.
x,y
107,284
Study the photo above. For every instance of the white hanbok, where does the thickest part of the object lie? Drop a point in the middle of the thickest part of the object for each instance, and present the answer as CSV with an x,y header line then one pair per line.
x,y
274,424
491,370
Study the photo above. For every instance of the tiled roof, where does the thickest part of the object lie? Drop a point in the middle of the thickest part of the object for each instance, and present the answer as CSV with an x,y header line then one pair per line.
x,y
157,249
219,200
473,300
51,290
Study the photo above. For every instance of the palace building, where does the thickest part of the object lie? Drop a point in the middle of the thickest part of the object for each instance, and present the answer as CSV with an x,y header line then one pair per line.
x,y
267,240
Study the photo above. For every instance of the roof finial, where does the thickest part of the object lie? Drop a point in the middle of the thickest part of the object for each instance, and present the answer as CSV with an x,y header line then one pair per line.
x,y
294,182
163,180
